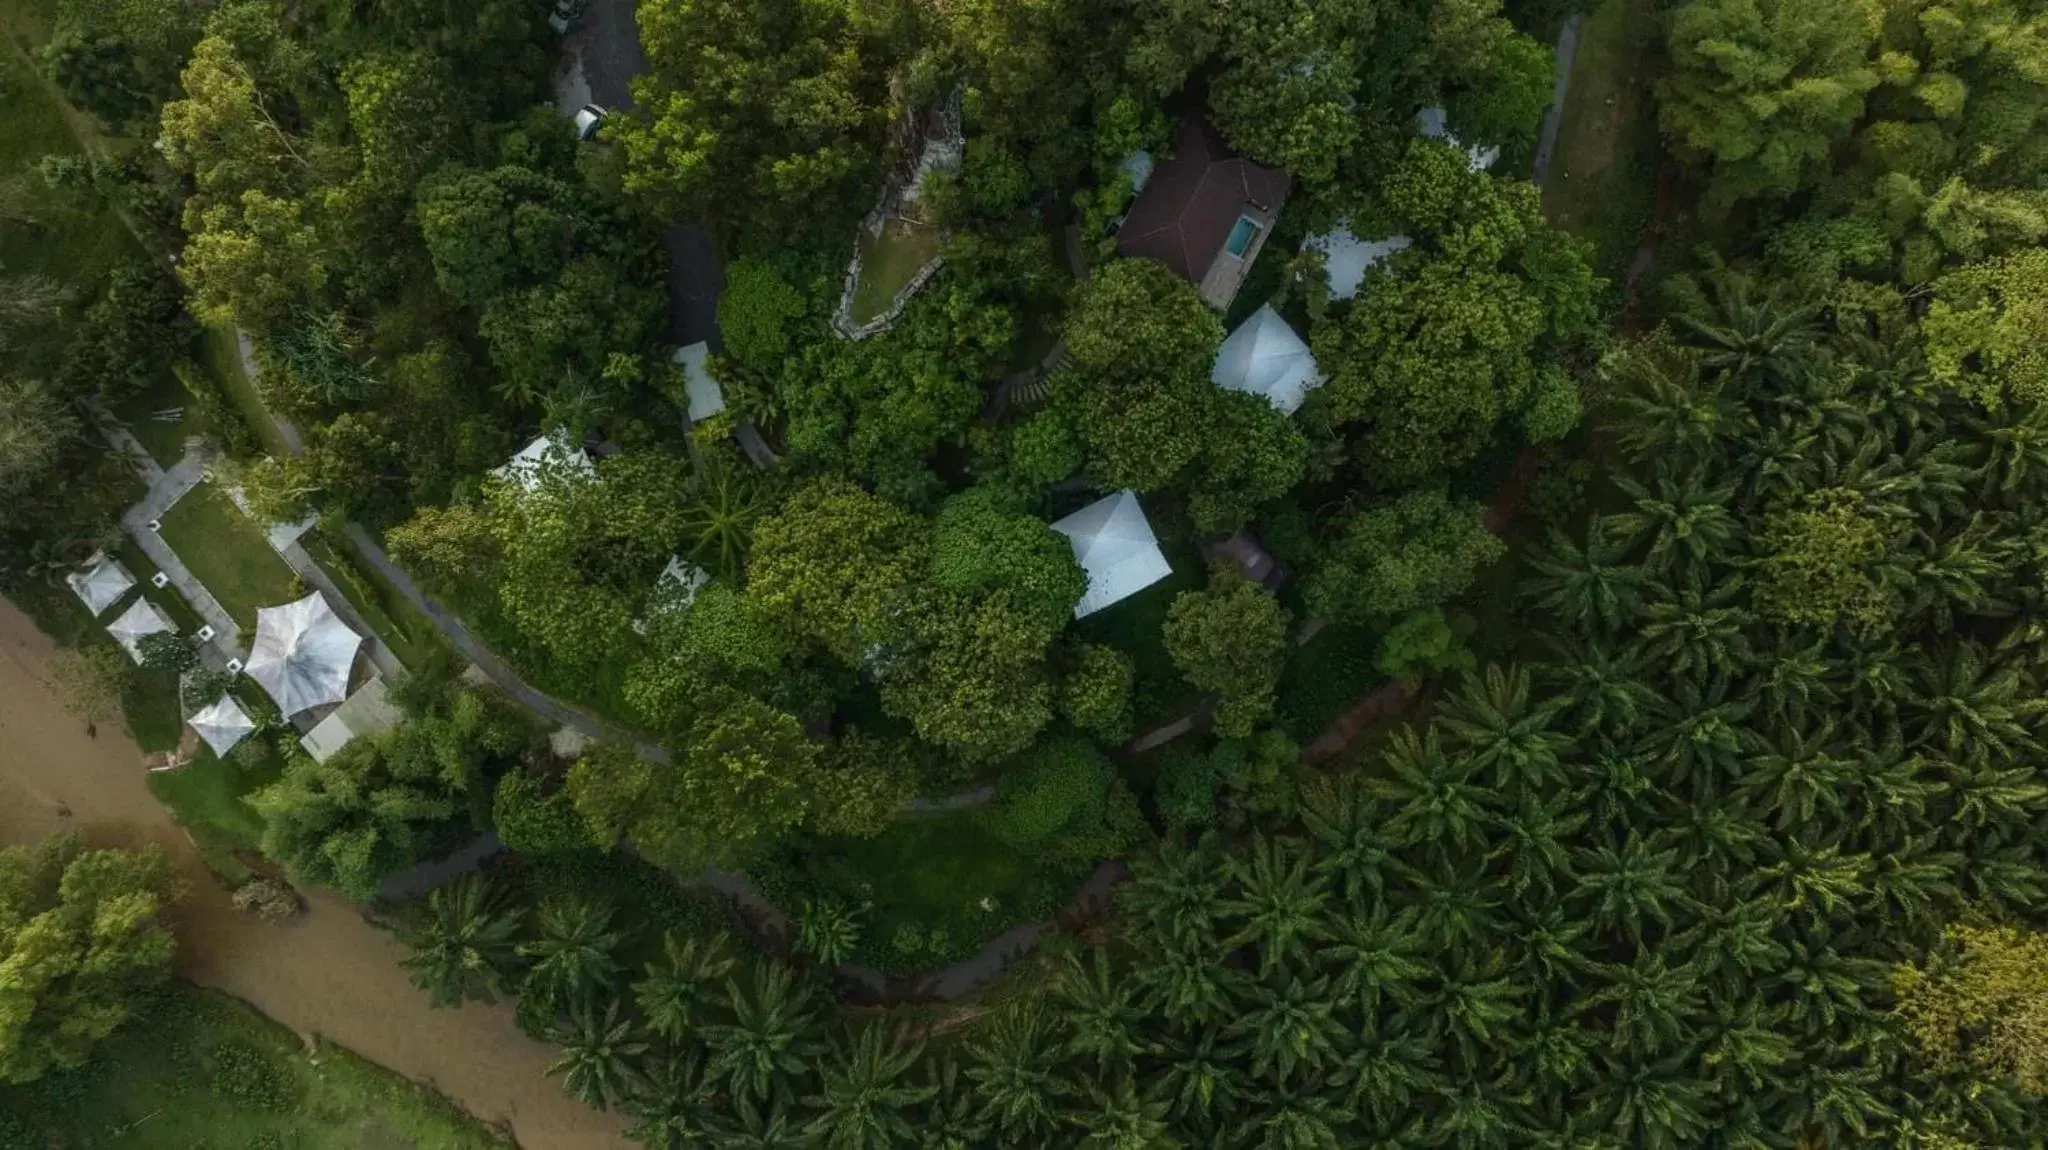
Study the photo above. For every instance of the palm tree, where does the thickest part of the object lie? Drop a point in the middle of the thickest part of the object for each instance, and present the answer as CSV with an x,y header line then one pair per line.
x,y
1188,980
674,1105
1588,586
1289,1024
827,931
1174,889
1100,1011
950,1118
1970,700
678,992
761,1125
1296,1117
1439,802
1012,1065
599,1056
1474,1005
1751,333
1200,1078
573,957
465,949
1695,628
1119,1118
1279,899
1798,783
1656,1005
1505,732
866,1100
1385,1073
772,1037
1374,956
719,519
1347,826
1655,1105
1625,888
1683,519
1666,407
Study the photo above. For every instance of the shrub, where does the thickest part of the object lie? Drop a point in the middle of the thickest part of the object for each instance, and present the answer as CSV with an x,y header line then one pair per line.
x,y
167,653
1057,784
534,818
267,898
1045,450
1230,639
244,1075
1096,694
756,314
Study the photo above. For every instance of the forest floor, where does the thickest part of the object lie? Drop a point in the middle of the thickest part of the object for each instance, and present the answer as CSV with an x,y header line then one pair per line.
x,y
328,973
1602,181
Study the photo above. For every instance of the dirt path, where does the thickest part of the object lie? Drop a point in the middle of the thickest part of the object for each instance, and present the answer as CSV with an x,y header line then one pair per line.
x,y
329,973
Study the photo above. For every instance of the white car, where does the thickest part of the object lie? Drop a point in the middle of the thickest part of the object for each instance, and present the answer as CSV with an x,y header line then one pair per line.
x,y
588,119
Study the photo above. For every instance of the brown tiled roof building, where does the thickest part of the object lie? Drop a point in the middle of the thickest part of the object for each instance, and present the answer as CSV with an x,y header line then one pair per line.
x,y
1205,213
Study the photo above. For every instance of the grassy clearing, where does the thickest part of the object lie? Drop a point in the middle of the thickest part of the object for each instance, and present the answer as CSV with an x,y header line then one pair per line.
x,y
164,439
1603,179
410,634
932,889
227,553
208,796
222,358
199,1069
890,261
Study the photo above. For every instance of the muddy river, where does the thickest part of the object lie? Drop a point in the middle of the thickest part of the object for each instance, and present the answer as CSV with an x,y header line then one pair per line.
x,y
327,973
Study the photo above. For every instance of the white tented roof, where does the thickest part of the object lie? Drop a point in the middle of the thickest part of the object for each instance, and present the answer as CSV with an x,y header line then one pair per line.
x,y
553,451
1264,357
1138,166
1435,123
685,575
366,712
1114,544
302,654
706,399
1346,258
101,583
222,725
140,619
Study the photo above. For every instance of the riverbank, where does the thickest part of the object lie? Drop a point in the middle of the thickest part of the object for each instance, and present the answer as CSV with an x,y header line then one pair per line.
x,y
328,973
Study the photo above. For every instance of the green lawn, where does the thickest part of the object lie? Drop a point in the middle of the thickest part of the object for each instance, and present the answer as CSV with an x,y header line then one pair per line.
x,y
208,798
1603,177
200,1070
228,553
165,440
223,360
933,889
410,634
890,261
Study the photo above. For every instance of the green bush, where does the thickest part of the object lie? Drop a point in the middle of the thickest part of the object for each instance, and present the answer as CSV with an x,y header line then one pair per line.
x,y
533,817
1096,693
1185,791
1045,450
1058,783
757,313
242,1074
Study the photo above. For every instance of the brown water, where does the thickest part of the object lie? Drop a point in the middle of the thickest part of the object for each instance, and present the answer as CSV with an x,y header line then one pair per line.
x,y
327,973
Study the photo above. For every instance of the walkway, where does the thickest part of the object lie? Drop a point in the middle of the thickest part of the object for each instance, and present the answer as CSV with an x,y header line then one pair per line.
x,y
313,575
165,490
1553,120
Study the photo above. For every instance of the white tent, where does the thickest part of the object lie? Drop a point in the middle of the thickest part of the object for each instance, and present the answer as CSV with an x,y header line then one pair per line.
x,y
222,725
552,452
706,400
1435,123
366,712
1346,258
140,619
101,584
1265,358
682,574
302,654
1114,544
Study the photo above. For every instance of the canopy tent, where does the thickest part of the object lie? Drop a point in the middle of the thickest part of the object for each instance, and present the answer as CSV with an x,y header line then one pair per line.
x,y
705,397
366,712
140,619
101,583
1114,544
302,654
1346,258
222,725
551,452
1435,123
1264,357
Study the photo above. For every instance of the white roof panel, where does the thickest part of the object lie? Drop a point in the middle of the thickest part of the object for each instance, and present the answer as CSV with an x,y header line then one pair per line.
x,y
550,453
706,399
1435,123
1114,544
302,654
101,583
1265,357
140,619
1346,258
366,712
222,725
